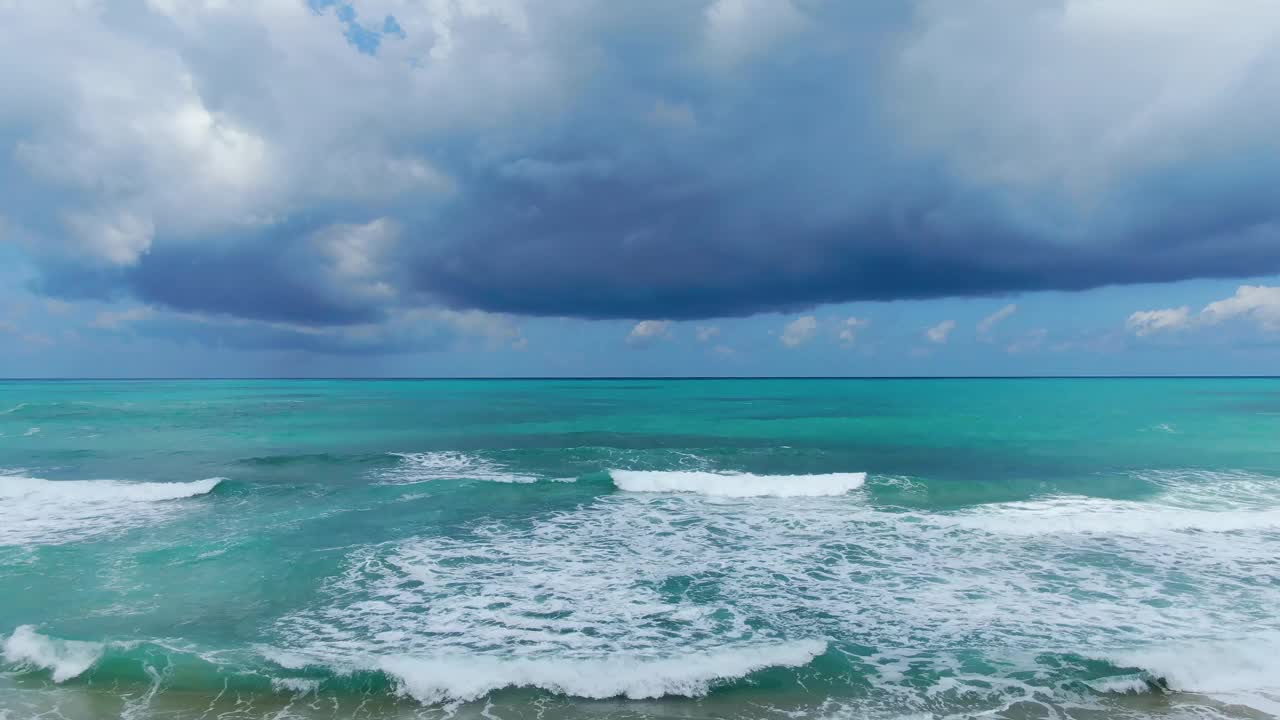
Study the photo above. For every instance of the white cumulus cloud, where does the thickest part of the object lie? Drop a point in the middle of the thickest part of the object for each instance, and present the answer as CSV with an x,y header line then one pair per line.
x,y
940,332
647,331
988,323
1146,322
1259,303
848,332
799,331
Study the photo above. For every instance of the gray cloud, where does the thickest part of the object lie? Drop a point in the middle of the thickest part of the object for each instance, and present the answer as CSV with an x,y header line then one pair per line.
x,y
673,160
401,332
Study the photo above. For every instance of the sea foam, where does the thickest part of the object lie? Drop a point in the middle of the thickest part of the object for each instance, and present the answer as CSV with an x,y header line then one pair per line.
x,y
1243,672
448,465
39,511
630,576
1185,500
467,677
65,659
741,485
1079,514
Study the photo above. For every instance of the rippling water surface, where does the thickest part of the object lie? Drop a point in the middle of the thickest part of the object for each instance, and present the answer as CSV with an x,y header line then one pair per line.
x,y
636,549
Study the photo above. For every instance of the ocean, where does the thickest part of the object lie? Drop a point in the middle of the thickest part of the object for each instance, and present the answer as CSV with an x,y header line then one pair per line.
x,y
773,549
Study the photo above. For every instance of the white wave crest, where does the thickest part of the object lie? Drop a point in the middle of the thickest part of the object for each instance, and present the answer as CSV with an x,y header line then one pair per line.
x,y
1079,514
14,409
463,678
66,659
1244,672
39,511
448,465
436,681
1121,685
661,575
299,686
739,485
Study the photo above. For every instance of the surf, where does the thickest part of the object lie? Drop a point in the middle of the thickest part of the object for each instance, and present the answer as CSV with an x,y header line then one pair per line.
x,y
461,678
1243,671
420,467
737,484
64,659
39,511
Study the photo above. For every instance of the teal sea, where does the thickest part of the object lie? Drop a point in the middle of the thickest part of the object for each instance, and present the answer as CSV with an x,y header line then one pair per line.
x,y
783,549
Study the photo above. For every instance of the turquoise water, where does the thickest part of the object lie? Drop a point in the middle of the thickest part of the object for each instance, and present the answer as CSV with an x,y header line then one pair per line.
x,y
643,548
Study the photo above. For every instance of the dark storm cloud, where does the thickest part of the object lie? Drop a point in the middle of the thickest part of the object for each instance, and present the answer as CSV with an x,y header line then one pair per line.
x,y
274,278
689,160
251,335
680,247
794,179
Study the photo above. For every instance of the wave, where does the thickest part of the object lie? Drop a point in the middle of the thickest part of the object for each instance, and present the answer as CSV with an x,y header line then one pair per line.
x,y
666,573
18,488
14,409
130,664
1123,685
737,484
428,680
448,465
464,678
300,686
1214,489
65,659
39,511
1080,514
1245,672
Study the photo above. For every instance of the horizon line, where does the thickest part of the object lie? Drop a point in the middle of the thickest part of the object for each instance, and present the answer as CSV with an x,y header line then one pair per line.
x,y
193,378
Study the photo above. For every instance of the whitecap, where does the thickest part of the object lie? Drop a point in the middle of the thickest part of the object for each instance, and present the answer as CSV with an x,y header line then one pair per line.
x,y
640,576
39,511
1214,489
444,679
448,465
65,659
739,485
1186,500
468,678
1121,685
1240,672
299,686
1081,514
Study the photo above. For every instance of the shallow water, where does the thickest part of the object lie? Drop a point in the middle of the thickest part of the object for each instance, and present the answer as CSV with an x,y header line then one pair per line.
x,y
727,548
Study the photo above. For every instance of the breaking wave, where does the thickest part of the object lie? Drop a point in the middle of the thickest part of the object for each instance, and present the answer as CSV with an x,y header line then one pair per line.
x,y
64,659
1078,514
463,678
39,511
448,465
740,485
1242,672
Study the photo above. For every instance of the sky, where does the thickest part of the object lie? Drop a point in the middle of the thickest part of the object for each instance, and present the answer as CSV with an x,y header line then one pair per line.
x,y
206,188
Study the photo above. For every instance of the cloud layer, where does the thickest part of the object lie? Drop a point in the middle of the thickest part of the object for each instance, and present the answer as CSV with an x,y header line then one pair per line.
x,y
1257,303
330,167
